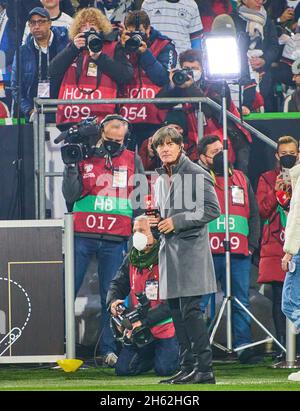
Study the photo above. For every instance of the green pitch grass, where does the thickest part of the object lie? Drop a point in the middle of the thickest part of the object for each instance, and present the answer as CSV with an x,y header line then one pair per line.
x,y
230,377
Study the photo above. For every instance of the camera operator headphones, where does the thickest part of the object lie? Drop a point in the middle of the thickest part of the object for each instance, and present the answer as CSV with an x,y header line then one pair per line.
x,y
111,117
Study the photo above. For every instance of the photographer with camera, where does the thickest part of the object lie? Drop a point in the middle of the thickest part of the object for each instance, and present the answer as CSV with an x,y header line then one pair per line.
x,y
152,56
89,68
188,81
138,276
100,186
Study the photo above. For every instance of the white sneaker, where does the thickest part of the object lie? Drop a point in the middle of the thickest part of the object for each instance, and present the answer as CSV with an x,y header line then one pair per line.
x,y
295,376
111,359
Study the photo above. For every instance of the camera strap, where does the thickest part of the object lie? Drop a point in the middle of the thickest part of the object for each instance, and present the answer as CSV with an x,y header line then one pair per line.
x,y
78,74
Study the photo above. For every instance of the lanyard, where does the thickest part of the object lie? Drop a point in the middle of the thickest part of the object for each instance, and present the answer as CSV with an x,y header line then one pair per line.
x,y
78,74
40,64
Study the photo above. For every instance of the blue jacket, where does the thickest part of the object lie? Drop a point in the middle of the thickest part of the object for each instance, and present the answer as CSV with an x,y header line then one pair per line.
x,y
29,69
158,69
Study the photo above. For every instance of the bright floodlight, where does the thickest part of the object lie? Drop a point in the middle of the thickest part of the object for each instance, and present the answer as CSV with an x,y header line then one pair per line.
x,y
221,58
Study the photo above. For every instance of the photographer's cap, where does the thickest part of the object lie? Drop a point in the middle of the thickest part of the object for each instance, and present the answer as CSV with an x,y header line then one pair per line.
x,y
39,11
296,67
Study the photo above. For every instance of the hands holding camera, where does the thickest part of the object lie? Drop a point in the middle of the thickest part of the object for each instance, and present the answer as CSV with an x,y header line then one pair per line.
x,y
116,309
91,40
181,78
133,41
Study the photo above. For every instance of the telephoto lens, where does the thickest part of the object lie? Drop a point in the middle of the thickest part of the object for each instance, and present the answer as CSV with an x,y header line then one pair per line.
x,y
95,43
94,40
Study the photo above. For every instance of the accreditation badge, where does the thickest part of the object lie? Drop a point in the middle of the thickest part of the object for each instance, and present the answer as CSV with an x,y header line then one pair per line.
x,y
120,178
92,70
43,89
152,290
237,195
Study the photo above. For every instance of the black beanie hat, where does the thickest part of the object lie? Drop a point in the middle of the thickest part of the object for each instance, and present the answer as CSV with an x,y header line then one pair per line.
x,y
177,117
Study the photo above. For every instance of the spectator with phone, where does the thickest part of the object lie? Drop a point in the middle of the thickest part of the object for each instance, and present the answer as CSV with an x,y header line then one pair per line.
x,y
273,198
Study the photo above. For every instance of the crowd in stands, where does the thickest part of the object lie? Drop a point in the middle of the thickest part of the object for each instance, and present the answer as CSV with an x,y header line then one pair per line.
x,y
268,33
55,62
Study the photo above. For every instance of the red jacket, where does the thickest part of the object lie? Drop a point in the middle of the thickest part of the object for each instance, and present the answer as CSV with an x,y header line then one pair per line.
x,y
138,280
272,240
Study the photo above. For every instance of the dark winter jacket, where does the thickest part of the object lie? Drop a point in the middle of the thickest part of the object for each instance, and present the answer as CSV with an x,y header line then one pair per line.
x,y
29,67
119,289
157,69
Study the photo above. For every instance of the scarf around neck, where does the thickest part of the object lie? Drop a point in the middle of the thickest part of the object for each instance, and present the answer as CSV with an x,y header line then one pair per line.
x,y
255,21
144,260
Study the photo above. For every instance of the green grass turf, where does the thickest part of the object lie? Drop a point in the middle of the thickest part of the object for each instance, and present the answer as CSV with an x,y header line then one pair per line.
x,y
230,377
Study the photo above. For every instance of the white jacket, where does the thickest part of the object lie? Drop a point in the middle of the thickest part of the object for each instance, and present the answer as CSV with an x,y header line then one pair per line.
x,y
292,230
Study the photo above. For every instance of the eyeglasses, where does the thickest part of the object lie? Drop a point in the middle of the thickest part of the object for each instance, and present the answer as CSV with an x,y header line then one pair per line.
x,y
33,23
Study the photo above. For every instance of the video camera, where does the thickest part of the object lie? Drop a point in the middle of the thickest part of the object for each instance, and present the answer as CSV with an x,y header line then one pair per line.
x,y
94,40
140,336
80,141
181,76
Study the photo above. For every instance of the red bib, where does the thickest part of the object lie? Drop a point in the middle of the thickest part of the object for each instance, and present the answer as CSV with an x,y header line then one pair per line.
x,y
86,87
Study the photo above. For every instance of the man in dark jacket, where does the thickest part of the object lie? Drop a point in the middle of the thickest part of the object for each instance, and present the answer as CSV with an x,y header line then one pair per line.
x,y
152,60
139,274
41,46
187,201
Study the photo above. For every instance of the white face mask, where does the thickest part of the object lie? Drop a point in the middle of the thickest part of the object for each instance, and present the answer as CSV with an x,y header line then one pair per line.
x,y
197,75
140,241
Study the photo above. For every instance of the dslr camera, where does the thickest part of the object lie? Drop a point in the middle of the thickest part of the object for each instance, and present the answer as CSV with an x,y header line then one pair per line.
x,y
135,41
181,76
140,336
94,40
80,141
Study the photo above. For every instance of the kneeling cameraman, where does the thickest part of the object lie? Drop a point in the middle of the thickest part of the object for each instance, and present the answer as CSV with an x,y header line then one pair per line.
x,y
138,276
